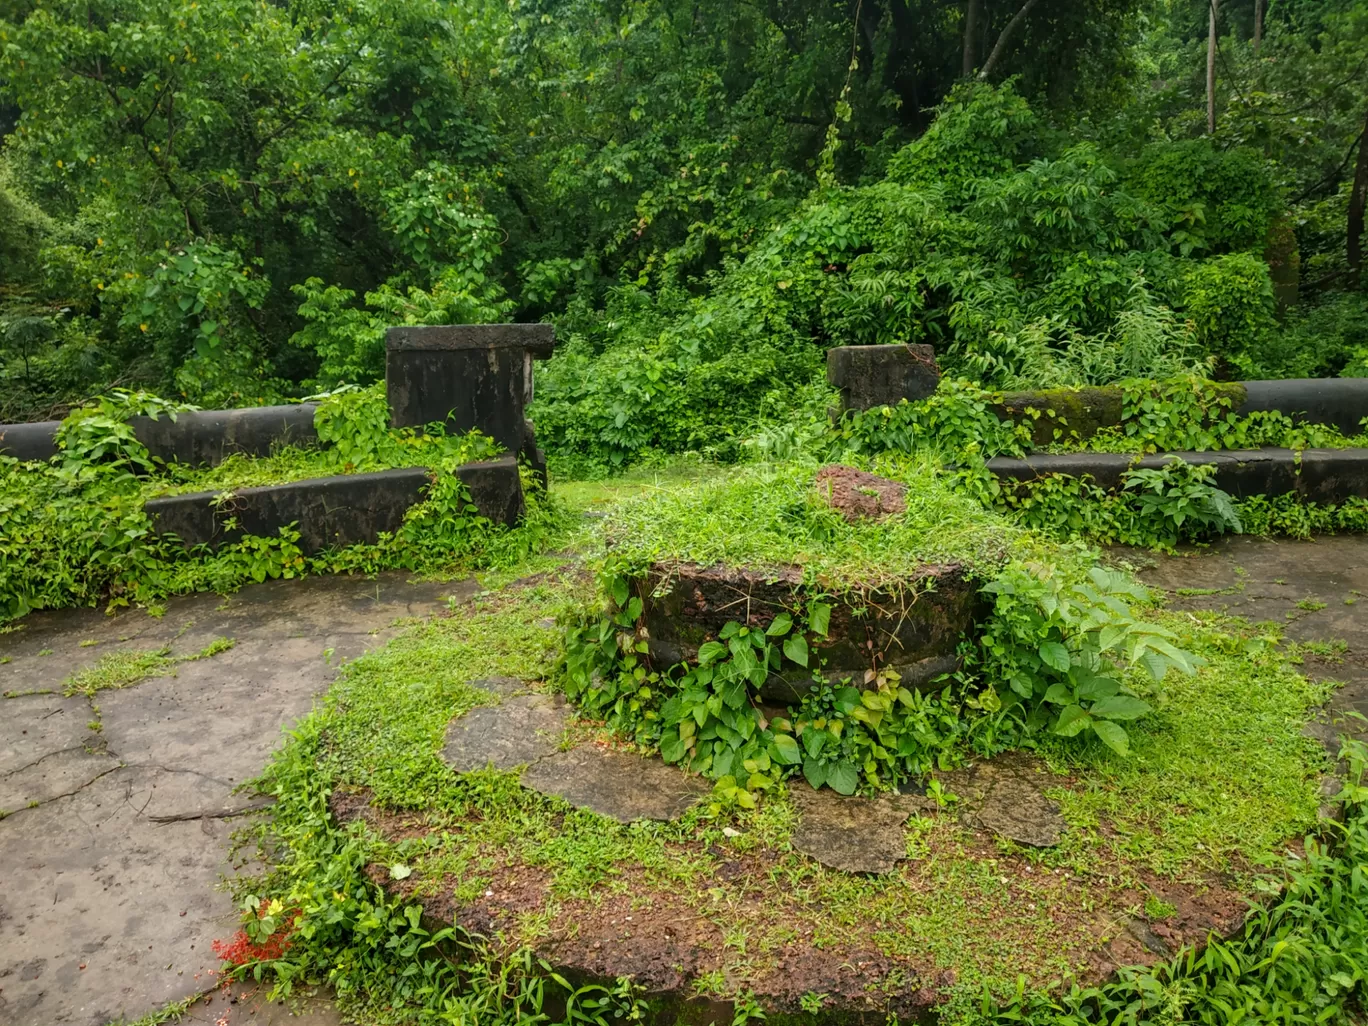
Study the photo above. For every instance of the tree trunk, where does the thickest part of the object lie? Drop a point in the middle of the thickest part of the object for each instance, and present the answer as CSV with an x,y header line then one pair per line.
x,y
971,20
1358,200
1258,25
1000,47
1211,68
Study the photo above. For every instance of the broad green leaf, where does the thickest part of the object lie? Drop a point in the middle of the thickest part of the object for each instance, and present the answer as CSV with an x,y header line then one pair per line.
x,y
781,624
1071,721
785,750
1055,656
796,648
1121,707
1059,694
843,777
819,618
1113,735
815,772
710,651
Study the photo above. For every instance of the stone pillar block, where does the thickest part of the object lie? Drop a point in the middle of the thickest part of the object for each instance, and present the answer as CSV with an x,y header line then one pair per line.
x,y
870,376
468,376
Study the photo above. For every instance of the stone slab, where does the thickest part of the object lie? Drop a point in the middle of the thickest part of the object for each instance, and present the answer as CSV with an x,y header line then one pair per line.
x,y
854,835
195,437
1340,402
683,606
517,731
210,436
331,512
327,511
34,441
468,377
617,785
1005,795
870,376
1317,475
537,339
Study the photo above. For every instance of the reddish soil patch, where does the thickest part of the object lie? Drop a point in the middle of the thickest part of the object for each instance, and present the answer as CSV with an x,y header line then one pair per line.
x,y
858,495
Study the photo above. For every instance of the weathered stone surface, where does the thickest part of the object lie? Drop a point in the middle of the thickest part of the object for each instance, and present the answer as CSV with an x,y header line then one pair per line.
x,y
468,376
495,489
1005,795
210,436
331,511
35,441
53,752
870,376
915,630
1318,475
517,731
854,835
859,495
198,437
111,893
1340,402
327,511
617,785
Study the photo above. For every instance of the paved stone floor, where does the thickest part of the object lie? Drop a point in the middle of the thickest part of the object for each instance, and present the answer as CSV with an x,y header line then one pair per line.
x,y
116,840
1318,591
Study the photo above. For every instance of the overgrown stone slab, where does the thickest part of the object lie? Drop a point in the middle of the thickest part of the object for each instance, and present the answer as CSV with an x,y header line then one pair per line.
x,y
331,511
858,494
854,835
468,376
1006,796
617,785
870,376
1315,475
913,628
519,730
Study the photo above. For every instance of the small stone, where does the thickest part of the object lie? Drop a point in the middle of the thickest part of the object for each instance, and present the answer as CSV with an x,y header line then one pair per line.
x,y
617,785
854,835
1004,795
858,495
517,731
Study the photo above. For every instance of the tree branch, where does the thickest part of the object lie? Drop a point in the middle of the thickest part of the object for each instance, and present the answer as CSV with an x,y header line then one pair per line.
x,y
1000,47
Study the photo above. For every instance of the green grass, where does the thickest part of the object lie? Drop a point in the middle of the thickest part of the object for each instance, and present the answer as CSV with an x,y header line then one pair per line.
x,y
1217,782
766,517
126,668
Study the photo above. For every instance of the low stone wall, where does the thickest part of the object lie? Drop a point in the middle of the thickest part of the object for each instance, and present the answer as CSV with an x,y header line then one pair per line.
x,y
330,512
1314,475
870,376
1079,413
198,438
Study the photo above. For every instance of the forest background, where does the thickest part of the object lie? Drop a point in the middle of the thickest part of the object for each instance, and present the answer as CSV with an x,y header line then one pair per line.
x,y
227,202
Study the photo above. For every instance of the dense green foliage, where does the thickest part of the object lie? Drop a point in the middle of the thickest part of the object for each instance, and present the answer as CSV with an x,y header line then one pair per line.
x,y
230,201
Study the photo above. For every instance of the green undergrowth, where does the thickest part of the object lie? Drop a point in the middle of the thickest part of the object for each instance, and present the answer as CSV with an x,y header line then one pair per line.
x,y
126,668
1218,779
767,517
73,531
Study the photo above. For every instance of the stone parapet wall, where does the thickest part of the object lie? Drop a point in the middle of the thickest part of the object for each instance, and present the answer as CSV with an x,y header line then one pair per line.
x,y
330,512
1314,475
203,437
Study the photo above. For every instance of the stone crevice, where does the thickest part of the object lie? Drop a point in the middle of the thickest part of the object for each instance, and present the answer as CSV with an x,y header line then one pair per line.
x,y
65,794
